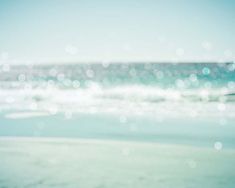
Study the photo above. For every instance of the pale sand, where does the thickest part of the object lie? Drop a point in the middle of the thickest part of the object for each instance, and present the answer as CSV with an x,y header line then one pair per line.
x,y
54,162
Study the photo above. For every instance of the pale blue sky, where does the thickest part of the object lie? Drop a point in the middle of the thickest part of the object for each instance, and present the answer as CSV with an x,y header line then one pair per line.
x,y
111,30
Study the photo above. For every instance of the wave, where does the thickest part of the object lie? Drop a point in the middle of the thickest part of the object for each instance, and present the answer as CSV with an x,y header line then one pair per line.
x,y
135,93
154,94
137,99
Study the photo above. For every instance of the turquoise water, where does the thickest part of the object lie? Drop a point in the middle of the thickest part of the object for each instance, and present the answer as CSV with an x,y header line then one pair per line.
x,y
163,75
201,131
180,114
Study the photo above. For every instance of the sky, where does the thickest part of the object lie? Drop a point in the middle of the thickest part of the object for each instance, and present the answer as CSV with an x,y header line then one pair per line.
x,y
116,31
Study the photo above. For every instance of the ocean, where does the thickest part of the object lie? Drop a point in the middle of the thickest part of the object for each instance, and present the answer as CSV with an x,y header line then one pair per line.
x,y
117,125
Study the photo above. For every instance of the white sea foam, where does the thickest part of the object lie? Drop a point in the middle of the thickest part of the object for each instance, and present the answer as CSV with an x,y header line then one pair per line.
x,y
23,115
134,99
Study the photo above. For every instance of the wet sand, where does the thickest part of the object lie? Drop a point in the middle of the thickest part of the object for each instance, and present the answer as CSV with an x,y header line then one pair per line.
x,y
88,163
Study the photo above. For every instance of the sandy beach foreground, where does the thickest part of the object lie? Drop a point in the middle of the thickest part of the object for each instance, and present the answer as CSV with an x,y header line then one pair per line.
x,y
54,162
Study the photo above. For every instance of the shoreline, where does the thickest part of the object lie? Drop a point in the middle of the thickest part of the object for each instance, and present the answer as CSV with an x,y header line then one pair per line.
x,y
108,141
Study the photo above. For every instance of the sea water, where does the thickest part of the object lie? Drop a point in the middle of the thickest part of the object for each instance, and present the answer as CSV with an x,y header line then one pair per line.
x,y
185,102
187,107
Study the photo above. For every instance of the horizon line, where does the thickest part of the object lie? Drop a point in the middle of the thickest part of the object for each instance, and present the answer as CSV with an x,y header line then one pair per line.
x,y
58,63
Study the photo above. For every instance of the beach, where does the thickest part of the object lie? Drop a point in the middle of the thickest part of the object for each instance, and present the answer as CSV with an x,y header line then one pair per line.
x,y
54,162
